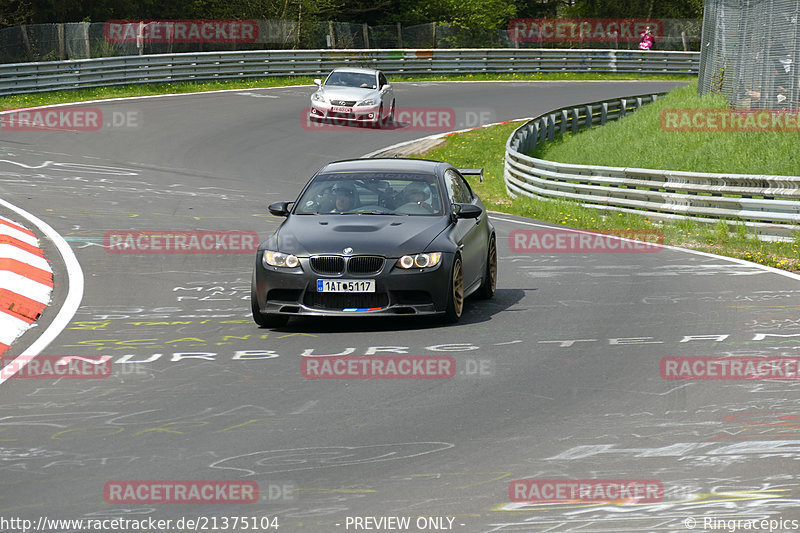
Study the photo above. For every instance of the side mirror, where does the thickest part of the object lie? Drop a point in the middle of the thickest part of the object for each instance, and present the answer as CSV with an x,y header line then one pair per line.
x,y
467,210
280,209
318,82
386,87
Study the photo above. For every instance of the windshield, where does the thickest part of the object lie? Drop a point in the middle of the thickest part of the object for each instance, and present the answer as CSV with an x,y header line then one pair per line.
x,y
372,193
351,79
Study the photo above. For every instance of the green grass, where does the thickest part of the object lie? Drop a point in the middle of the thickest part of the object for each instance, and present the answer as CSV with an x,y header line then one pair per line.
x,y
485,148
80,95
639,141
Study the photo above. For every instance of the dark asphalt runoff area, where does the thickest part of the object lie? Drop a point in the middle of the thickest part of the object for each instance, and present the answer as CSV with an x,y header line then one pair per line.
x,y
556,378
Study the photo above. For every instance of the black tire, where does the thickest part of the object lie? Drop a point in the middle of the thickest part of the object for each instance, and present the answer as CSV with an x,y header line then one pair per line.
x,y
489,285
265,321
455,293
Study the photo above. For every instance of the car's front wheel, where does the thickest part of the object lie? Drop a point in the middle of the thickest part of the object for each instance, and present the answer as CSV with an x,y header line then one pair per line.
x,y
265,320
390,117
455,293
378,119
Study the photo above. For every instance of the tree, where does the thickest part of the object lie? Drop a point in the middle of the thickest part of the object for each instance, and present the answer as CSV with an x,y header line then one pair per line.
x,y
636,9
469,14
15,12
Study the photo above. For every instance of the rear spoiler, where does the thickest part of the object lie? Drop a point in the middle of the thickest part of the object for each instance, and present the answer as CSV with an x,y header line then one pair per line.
x,y
472,172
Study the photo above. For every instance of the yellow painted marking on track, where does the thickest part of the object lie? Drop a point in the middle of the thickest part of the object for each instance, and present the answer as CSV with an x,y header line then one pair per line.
x,y
163,429
242,424
83,431
91,325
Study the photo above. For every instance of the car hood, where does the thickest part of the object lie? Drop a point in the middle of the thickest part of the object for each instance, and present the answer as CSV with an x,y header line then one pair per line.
x,y
391,236
349,93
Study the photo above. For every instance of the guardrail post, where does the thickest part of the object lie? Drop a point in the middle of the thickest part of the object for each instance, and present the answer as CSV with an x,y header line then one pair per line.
x,y
603,113
563,118
623,107
533,137
542,130
575,124
589,113
551,127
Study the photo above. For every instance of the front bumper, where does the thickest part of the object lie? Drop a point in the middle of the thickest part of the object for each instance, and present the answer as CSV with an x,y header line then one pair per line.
x,y
397,291
357,114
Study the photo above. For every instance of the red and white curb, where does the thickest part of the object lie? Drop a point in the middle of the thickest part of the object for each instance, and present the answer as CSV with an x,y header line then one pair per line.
x,y
26,281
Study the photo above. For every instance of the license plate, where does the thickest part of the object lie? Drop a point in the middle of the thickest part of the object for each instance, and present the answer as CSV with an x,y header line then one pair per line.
x,y
345,285
336,109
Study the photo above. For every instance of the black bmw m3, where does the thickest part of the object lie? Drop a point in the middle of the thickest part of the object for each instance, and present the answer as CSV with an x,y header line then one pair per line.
x,y
376,237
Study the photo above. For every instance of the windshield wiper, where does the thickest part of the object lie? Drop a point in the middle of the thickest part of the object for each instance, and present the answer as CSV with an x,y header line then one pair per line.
x,y
367,213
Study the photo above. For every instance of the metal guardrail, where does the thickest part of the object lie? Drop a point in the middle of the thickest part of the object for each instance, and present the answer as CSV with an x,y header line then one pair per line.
x,y
766,204
19,78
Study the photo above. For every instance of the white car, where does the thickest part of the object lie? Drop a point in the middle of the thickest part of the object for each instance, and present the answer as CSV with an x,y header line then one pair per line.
x,y
359,95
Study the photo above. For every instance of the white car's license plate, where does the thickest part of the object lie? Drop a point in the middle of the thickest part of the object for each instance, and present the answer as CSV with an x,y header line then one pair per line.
x,y
336,109
345,285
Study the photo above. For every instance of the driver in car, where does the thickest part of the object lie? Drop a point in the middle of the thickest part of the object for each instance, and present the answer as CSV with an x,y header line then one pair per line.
x,y
417,193
345,194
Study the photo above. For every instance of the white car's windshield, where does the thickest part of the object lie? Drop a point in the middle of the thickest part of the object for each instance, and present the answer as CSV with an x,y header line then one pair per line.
x,y
351,79
372,194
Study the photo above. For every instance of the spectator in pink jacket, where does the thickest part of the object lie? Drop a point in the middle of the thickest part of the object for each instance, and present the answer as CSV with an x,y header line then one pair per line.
x,y
647,39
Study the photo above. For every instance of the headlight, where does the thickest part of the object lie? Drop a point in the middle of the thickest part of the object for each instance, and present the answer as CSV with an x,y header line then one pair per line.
x,y
368,101
277,259
428,260
318,97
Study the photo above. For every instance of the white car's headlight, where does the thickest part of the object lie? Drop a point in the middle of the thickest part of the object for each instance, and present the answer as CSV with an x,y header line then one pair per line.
x,y
318,97
278,259
428,260
368,101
